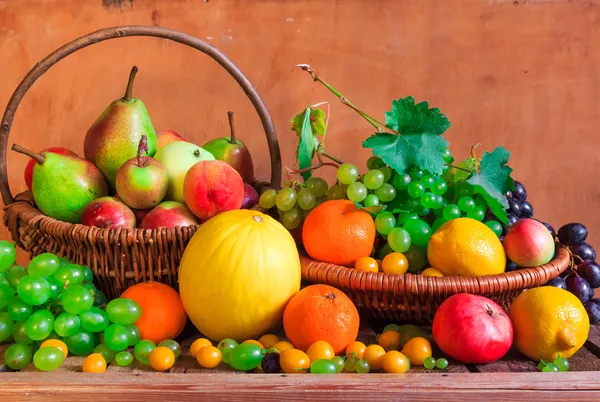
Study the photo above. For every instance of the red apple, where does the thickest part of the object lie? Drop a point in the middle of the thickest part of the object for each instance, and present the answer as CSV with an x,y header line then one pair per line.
x,y
168,214
108,212
528,243
29,168
167,137
140,214
250,197
472,329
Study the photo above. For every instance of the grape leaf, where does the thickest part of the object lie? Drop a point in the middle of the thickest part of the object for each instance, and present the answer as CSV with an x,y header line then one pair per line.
x,y
419,141
307,125
493,181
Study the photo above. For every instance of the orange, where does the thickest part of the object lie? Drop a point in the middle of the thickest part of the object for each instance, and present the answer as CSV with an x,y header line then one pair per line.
x,y
162,358
395,362
282,346
254,342
163,316
199,344
390,340
321,313
94,363
320,350
268,340
417,350
374,356
394,264
366,264
355,350
57,343
338,232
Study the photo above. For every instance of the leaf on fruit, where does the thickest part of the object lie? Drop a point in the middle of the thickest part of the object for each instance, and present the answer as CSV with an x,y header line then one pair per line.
x,y
374,210
493,181
418,142
308,125
454,175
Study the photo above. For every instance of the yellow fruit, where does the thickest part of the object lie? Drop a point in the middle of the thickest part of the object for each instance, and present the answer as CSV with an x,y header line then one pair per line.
x,y
431,272
199,344
268,340
374,356
466,247
282,346
254,342
320,350
548,321
417,350
237,274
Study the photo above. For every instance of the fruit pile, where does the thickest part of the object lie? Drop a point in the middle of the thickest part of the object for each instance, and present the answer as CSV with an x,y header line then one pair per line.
x,y
132,177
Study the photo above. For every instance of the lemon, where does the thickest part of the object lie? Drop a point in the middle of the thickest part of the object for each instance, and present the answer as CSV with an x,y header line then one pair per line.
x,y
466,247
548,321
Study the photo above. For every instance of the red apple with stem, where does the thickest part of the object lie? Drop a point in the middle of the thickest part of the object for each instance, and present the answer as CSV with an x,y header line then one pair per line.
x,y
472,329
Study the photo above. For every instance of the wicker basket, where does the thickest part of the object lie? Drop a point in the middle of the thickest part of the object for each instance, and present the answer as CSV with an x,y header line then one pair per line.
x,y
415,297
118,257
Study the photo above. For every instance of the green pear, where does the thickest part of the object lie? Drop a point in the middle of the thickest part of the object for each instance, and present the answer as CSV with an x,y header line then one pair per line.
x,y
63,185
114,137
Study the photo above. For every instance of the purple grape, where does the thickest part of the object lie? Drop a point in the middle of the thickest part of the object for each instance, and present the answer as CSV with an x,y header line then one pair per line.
x,y
519,192
583,250
550,228
580,288
597,301
572,233
501,238
593,310
557,283
512,219
526,210
590,271
270,363
514,206
511,266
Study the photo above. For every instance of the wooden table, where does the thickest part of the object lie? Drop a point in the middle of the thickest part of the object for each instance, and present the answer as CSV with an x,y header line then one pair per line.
x,y
511,378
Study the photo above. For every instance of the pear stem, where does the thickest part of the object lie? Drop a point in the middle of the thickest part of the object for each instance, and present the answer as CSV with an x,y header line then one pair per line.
x,y
143,147
129,89
231,126
37,157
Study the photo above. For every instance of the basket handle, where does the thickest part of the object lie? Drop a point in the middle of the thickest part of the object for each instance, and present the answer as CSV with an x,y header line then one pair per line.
x,y
135,30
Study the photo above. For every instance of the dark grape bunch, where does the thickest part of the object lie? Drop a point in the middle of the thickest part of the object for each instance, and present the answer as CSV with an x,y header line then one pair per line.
x,y
584,275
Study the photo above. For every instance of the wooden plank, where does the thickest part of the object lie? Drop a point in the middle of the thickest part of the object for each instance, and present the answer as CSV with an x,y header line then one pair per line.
x,y
593,342
491,386
512,362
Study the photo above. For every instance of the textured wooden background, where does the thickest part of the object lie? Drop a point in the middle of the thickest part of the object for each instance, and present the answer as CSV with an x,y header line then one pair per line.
x,y
520,73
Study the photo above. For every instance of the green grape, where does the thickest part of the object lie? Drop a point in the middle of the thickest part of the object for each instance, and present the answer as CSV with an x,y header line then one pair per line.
x,y
106,352
451,211
423,212
362,367
6,295
429,363
417,258
480,202
447,155
404,217
6,326
336,192
371,200
463,189
19,333
73,273
45,264
67,324
338,362
8,255
439,202
550,368
99,299
124,359
349,365
541,365
63,261
116,337
246,356
323,366
437,224
375,162
391,327
439,186
466,204
88,275
386,192
286,199
171,344
419,231
385,250
89,286
495,227
441,363
142,350
53,335
387,173
347,173
134,334
428,181
33,290
94,320
561,363
39,325
416,174
317,185
476,213
226,346
18,355
384,222
428,200
356,192
3,280
373,179
77,299
15,274
18,310
48,358
306,199
291,219
55,287
399,239
401,181
81,343
416,189
267,199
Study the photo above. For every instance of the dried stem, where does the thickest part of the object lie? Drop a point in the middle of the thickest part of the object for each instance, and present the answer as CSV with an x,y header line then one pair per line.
x,y
35,156
129,89
231,126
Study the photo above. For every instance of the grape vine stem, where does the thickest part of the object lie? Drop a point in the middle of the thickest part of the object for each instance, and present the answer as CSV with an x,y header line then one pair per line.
x,y
321,163
458,167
